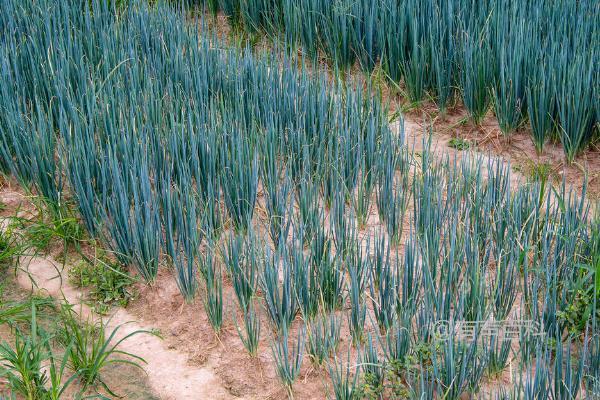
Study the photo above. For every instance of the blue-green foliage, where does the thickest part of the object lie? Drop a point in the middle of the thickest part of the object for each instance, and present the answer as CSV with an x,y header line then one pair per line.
x,y
491,50
168,138
155,133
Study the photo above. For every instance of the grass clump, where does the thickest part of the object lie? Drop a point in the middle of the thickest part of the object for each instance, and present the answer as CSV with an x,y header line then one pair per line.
x,y
22,364
54,223
45,360
10,247
94,347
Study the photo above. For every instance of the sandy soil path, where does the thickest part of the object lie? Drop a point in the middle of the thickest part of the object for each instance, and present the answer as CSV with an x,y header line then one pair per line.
x,y
169,375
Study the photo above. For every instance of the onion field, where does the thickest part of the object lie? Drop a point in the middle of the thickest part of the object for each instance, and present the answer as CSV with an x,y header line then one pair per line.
x,y
281,200
533,62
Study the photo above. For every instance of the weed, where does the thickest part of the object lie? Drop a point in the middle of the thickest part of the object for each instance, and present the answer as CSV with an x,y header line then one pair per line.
x,y
11,247
32,367
19,313
540,172
53,223
23,365
108,282
94,348
459,144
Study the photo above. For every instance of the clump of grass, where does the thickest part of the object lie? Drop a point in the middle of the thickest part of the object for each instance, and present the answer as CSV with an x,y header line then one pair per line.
x,y
23,364
53,223
37,370
11,247
18,313
94,348
540,172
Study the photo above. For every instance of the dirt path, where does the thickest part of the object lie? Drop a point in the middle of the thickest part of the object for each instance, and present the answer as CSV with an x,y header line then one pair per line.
x,y
415,133
517,148
169,374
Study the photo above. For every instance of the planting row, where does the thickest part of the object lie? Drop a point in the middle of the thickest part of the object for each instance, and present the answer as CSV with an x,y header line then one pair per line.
x,y
227,167
529,61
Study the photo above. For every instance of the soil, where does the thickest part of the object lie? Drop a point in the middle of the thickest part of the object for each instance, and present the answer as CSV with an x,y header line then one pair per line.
x,y
186,327
167,370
